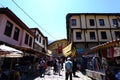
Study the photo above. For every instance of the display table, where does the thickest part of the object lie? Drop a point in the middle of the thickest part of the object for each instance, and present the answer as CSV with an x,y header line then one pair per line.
x,y
95,74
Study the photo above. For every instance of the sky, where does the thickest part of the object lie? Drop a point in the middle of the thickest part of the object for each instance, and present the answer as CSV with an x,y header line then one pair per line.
x,y
50,15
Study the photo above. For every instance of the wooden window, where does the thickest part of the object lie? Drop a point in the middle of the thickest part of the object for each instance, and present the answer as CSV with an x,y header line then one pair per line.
x,y
103,35
101,22
30,41
115,22
73,22
16,34
92,22
8,29
40,39
92,35
78,35
117,34
26,38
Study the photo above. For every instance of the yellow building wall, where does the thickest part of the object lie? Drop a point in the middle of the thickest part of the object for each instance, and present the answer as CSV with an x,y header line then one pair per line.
x,y
54,45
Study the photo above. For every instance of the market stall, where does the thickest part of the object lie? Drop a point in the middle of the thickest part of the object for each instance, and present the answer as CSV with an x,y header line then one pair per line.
x,y
9,56
101,57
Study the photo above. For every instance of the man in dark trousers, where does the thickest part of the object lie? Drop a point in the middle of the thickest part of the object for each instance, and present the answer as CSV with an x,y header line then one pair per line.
x,y
68,68
74,68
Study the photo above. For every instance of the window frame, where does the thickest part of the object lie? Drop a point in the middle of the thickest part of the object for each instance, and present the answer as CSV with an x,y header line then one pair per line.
x,y
26,39
101,22
30,41
16,34
115,22
92,36
103,35
40,39
92,22
73,22
8,29
78,36
117,33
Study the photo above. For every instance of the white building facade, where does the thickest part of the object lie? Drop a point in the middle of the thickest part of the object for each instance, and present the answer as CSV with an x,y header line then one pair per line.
x,y
40,42
86,30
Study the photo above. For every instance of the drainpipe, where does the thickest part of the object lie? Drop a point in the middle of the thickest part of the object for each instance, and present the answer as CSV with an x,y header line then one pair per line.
x,y
110,28
97,30
85,30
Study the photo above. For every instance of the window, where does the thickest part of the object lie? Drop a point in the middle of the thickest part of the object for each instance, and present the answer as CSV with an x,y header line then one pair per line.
x,y
40,39
103,35
43,42
30,41
92,35
115,22
92,23
8,29
16,34
26,38
101,22
78,35
73,22
117,34
37,35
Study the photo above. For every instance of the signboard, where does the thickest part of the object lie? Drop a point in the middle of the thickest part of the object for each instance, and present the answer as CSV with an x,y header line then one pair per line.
x,y
59,49
79,51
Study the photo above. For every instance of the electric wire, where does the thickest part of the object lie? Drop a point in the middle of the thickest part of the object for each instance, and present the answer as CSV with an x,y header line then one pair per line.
x,y
32,19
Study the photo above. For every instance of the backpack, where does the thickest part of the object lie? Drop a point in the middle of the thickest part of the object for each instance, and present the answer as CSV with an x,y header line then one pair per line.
x,y
68,67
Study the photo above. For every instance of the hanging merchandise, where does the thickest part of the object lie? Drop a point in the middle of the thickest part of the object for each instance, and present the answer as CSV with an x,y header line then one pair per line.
x,y
111,53
116,51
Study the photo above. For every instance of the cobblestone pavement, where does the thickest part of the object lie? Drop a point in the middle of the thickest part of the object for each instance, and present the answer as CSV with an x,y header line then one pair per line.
x,y
51,76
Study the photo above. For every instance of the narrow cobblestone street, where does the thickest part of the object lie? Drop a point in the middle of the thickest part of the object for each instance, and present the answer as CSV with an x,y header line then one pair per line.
x,y
51,76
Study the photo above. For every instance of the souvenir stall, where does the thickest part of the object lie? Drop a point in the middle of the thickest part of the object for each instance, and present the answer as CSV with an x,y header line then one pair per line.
x,y
94,66
101,57
8,56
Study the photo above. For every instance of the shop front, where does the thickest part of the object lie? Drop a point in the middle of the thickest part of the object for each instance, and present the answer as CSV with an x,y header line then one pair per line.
x,y
102,57
26,63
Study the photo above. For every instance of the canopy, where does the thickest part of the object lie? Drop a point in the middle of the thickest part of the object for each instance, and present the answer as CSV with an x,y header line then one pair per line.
x,y
105,45
6,51
69,50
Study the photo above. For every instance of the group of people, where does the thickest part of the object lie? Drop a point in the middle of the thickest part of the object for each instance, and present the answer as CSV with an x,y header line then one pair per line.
x,y
56,64
45,65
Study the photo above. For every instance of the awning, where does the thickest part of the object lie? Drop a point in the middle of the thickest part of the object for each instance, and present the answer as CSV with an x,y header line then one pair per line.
x,y
30,51
7,51
106,45
67,50
49,53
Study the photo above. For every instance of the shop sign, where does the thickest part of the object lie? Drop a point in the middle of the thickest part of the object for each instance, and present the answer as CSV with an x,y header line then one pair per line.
x,y
79,51
59,49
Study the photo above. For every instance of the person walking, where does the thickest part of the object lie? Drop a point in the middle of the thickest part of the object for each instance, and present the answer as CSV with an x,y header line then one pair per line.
x,y
55,67
74,68
68,68
41,68
59,67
